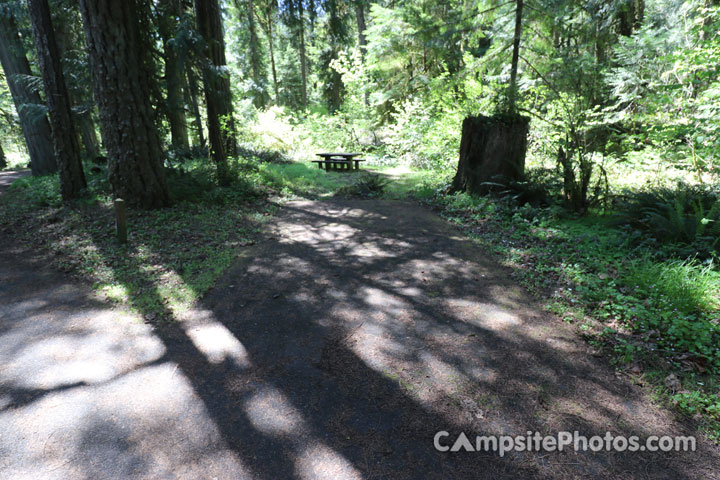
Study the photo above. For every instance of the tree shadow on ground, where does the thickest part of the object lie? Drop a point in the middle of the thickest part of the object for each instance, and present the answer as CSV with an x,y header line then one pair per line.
x,y
340,345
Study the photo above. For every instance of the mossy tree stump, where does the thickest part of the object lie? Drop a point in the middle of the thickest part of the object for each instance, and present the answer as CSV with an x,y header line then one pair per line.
x,y
492,149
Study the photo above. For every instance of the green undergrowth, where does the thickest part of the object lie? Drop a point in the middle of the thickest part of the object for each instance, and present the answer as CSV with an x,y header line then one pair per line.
x,y
173,255
304,179
655,316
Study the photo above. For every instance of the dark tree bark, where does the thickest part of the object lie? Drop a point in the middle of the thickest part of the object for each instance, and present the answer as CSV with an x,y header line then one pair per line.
x,y
492,150
65,139
361,26
170,11
191,97
3,160
218,98
79,92
337,37
35,130
512,95
630,17
88,134
122,83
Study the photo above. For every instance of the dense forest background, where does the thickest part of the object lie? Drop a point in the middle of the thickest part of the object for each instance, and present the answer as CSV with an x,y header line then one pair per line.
x,y
616,219
613,84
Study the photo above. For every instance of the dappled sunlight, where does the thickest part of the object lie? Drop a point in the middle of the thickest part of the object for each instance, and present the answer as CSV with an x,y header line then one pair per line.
x,y
138,425
88,398
75,352
322,463
382,302
269,412
488,315
217,343
327,235
310,361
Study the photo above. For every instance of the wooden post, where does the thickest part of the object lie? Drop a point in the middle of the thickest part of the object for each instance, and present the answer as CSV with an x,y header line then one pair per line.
x,y
120,220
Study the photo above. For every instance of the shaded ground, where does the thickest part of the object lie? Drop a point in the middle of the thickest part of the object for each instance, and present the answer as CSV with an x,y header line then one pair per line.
x,y
6,178
336,349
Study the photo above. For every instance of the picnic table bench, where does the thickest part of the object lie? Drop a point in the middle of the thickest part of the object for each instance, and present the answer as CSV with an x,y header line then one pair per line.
x,y
339,161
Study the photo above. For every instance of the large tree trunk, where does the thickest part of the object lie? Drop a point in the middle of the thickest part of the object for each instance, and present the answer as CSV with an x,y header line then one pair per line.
x,y
79,92
122,83
630,15
171,11
218,98
191,97
3,160
492,150
36,130
65,139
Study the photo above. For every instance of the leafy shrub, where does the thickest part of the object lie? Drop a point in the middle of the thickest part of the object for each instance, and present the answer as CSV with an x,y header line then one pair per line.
x,y
267,156
423,138
40,191
366,185
540,188
686,214
195,182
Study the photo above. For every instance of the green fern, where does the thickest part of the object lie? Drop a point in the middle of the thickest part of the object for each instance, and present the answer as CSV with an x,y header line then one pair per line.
x,y
686,215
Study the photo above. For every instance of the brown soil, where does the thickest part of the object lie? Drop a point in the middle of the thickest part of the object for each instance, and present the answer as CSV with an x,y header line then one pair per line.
x,y
337,348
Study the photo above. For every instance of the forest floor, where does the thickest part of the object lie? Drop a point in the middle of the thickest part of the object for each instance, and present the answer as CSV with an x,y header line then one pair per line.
x,y
336,346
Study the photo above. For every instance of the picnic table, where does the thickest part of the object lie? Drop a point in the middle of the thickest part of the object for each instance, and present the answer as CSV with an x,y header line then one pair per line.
x,y
339,160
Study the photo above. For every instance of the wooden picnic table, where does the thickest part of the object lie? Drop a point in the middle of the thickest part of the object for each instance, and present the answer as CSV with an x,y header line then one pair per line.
x,y
342,159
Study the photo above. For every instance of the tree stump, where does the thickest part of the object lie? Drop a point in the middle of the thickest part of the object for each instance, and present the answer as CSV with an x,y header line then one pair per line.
x,y
492,150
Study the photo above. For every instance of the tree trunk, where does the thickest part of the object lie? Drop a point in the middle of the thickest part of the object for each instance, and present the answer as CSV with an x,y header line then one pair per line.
x,y
362,39
267,26
272,65
361,26
65,139
88,134
3,160
512,96
575,192
122,85
218,98
255,55
191,94
303,56
79,92
492,150
35,130
171,10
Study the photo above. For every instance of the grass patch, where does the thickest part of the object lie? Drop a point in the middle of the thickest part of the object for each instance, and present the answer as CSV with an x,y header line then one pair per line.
x,y
650,314
298,179
303,179
173,255
686,286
